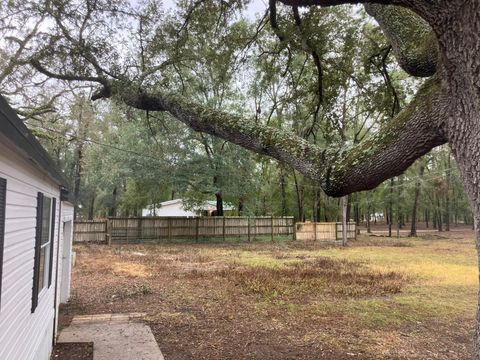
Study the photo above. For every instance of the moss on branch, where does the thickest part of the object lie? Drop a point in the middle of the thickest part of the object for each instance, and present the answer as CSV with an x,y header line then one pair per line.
x,y
411,134
413,41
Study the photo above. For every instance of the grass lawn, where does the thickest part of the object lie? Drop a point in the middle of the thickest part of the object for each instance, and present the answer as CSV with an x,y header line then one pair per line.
x,y
378,298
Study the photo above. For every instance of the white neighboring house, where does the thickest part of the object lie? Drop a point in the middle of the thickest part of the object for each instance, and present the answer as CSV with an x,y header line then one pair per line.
x,y
35,242
176,208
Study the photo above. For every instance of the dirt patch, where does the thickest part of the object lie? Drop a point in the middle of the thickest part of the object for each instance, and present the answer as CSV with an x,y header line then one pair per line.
x,y
278,300
73,351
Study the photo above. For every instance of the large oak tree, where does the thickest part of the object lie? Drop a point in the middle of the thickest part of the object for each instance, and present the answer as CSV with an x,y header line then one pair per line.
x,y
435,39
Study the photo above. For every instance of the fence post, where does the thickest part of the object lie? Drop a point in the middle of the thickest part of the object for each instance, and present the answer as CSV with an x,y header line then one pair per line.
x,y
294,229
271,226
139,230
223,230
314,231
169,228
248,222
197,219
108,225
126,227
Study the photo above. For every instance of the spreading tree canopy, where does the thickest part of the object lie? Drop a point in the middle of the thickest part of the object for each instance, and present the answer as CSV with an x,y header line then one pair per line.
x,y
85,41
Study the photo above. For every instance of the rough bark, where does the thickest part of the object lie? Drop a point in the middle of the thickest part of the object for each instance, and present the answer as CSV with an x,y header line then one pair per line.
x,y
459,40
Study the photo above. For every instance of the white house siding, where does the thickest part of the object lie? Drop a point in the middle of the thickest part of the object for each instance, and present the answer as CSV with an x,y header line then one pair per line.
x,y
24,335
169,208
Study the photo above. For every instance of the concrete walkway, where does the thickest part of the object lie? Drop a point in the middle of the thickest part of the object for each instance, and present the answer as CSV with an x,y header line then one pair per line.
x,y
114,336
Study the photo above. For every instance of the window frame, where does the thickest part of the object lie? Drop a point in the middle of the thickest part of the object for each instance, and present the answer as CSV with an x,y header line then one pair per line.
x,y
45,263
3,208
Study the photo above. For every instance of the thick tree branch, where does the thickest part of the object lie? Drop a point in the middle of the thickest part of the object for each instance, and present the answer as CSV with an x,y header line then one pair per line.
x,y
67,77
413,41
419,5
413,133
410,135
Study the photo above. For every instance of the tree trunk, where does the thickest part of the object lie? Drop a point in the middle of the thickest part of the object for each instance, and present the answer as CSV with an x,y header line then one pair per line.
x,y
399,205
240,207
344,220
349,207
300,198
113,208
413,228
91,207
439,215
369,227
219,204
462,76
390,208
283,192
447,195
356,210
318,204
78,178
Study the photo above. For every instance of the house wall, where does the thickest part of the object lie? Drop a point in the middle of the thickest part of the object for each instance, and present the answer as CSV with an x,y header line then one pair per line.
x,y
24,335
174,209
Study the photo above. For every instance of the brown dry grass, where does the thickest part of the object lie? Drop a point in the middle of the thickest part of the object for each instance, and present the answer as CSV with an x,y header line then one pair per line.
x,y
316,278
376,299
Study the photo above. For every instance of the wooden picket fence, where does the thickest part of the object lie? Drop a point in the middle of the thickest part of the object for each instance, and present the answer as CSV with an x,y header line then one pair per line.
x,y
123,230
90,231
324,231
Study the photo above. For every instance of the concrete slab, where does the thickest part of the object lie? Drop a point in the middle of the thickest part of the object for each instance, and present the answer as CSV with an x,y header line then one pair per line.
x,y
114,336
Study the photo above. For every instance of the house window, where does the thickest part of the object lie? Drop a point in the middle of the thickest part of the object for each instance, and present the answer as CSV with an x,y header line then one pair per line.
x,y
43,246
3,198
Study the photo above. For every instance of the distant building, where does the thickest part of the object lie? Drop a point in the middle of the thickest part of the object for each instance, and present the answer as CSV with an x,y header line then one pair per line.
x,y
176,208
